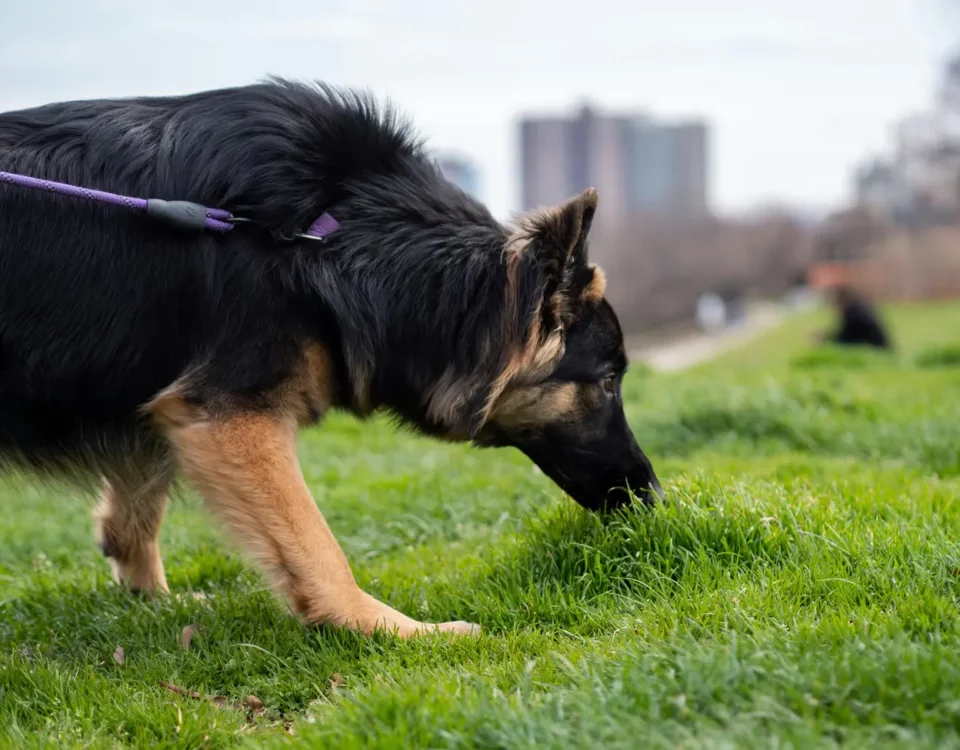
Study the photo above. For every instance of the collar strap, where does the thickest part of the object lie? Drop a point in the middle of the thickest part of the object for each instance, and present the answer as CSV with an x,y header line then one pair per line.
x,y
321,228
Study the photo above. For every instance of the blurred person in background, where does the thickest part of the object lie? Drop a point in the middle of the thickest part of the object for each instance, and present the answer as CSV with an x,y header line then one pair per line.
x,y
859,321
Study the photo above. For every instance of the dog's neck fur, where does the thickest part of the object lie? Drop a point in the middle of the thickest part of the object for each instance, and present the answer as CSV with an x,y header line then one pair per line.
x,y
479,306
445,303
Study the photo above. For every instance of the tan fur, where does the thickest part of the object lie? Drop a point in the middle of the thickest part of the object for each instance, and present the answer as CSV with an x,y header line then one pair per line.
x,y
594,291
310,393
246,467
448,402
315,382
537,358
533,406
361,383
128,523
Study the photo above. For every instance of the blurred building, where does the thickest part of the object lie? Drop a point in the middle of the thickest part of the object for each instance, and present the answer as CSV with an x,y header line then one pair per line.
x,y
919,185
878,188
950,93
928,162
638,165
667,168
461,171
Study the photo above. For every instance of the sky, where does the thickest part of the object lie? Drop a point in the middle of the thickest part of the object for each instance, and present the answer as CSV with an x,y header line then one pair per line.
x,y
796,92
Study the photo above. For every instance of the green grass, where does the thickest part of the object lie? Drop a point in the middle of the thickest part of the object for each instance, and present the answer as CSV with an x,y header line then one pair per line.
x,y
801,586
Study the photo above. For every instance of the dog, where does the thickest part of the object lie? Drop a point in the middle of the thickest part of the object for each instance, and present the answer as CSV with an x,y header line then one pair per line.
x,y
132,351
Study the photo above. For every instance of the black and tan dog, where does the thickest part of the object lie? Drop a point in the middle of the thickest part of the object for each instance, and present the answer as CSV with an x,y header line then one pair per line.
x,y
130,350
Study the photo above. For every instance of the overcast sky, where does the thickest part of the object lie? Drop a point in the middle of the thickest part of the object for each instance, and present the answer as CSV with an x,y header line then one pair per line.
x,y
797,91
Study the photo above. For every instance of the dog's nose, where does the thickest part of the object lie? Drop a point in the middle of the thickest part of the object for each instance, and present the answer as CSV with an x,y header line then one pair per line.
x,y
650,493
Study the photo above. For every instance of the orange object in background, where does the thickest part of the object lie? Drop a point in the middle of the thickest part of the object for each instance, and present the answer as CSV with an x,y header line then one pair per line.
x,y
826,275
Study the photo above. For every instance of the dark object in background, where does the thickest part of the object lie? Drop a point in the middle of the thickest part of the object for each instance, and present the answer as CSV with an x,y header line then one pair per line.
x,y
860,322
734,306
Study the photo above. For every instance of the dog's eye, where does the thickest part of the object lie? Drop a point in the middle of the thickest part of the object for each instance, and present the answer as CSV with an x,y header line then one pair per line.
x,y
609,384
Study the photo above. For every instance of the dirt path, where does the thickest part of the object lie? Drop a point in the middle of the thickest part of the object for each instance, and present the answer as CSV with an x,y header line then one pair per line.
x,y
690,350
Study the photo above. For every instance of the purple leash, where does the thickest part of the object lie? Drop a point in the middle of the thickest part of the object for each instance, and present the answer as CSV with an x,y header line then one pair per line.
x,y
182,214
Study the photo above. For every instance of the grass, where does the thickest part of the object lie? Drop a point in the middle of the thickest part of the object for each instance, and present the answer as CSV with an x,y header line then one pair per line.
x,y
801,586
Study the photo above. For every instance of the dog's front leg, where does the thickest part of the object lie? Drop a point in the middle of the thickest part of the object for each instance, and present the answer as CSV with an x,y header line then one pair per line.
x,y
247,469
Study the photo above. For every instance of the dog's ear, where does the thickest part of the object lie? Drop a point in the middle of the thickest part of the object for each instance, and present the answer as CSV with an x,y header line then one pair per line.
x,y
563,231
559,241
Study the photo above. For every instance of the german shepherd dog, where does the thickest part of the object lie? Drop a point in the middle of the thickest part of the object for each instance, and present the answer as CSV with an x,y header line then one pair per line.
x,y
132,350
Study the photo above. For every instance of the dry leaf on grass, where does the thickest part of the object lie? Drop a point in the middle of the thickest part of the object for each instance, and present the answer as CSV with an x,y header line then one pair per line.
x,y
252,705
180,691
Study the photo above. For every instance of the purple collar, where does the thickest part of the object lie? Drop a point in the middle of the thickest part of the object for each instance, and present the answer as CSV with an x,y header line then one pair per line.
x,y
321,228
182,214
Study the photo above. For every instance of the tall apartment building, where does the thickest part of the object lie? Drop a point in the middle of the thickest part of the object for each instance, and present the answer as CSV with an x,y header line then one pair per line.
x,y
637,164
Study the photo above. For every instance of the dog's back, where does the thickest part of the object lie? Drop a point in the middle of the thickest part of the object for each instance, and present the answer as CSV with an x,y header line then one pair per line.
x,y
101,308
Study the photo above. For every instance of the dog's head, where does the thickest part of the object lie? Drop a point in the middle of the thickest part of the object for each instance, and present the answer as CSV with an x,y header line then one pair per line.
x,y
558,397
469,330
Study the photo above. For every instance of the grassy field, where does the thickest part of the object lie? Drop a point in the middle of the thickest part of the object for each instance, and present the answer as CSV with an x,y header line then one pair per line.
x,y
800,587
